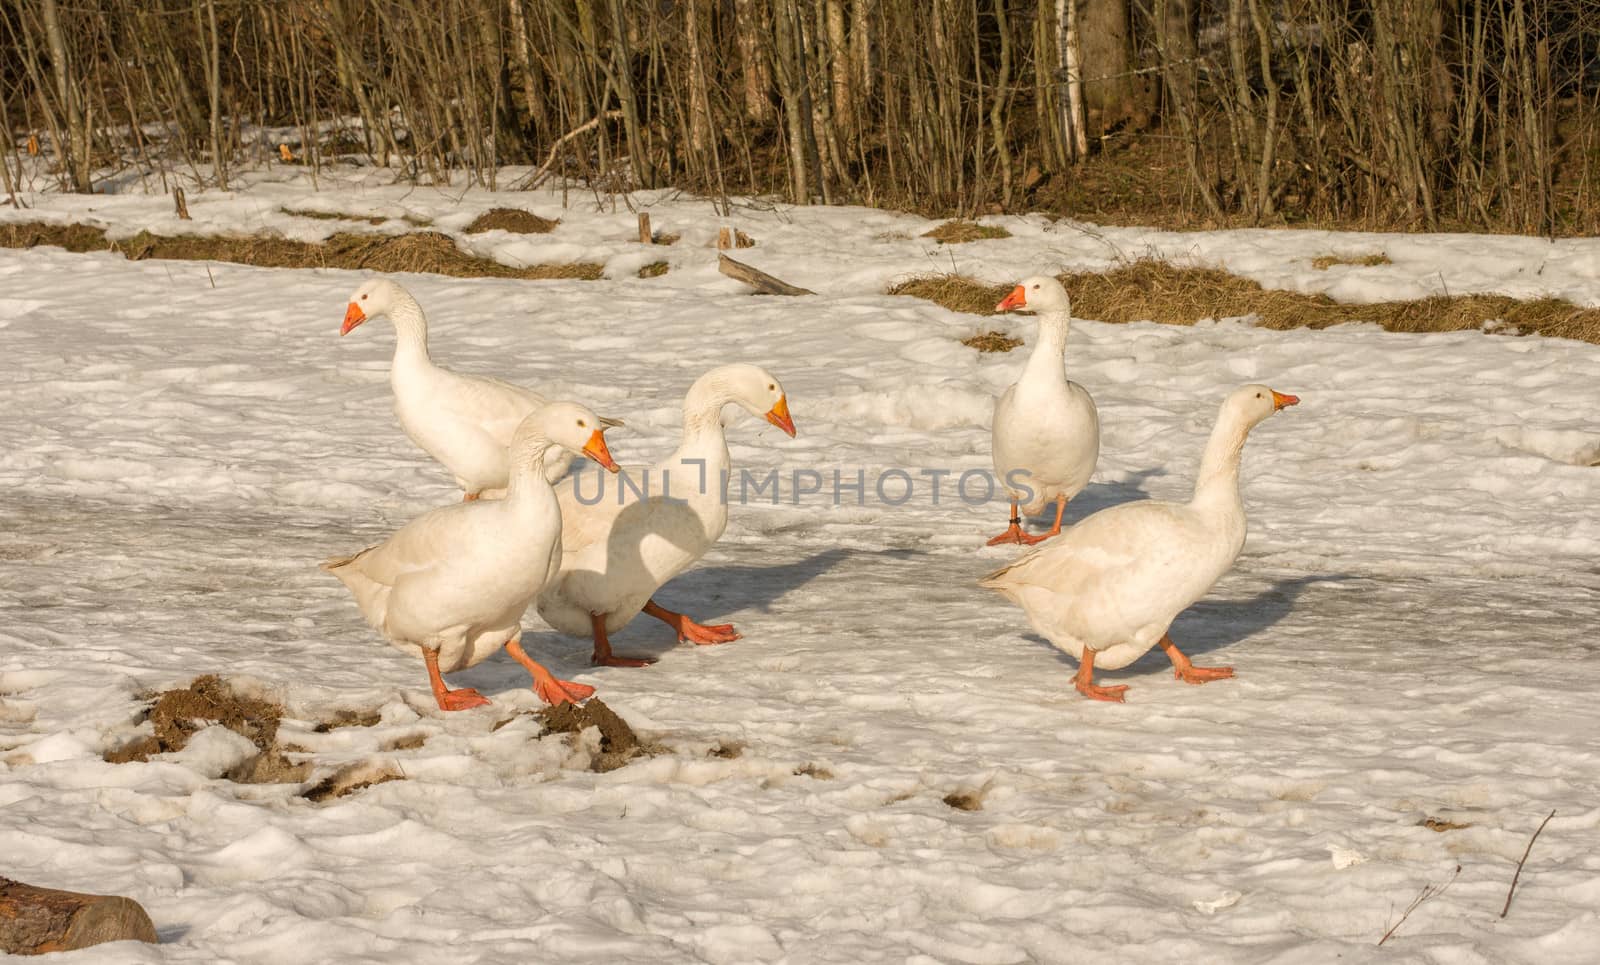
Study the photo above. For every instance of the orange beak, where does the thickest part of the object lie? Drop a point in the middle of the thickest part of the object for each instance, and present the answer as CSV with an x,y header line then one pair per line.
x,y
779,416
1279,401
1017,299
353,316
596,449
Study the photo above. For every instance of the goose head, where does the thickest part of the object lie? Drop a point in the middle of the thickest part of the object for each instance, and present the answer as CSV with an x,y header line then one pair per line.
x,y
568,425
377,297
1039,293
753,389
1249,404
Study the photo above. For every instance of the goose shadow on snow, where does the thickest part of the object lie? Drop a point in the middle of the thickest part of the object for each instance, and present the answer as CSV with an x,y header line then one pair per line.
x,y
1212,624
710,594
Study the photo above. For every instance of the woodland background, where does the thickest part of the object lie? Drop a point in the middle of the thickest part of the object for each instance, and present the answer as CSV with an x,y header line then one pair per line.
x,y
1409,114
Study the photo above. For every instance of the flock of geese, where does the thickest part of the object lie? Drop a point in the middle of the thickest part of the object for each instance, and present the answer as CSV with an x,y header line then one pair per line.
x,y
452,585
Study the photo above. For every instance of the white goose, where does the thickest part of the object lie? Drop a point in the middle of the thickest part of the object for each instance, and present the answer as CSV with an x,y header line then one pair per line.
x,y
1046,429
1109,589
463,421
453,583
615,557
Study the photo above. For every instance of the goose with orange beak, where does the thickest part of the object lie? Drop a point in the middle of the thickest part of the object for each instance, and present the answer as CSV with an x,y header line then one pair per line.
x,y
1046,434
1108,589
617,553
452,585
464,421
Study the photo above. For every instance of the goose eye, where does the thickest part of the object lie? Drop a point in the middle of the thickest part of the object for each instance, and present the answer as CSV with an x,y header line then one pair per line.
x,y
363,297
1258,395
582,424
772,388
1035,287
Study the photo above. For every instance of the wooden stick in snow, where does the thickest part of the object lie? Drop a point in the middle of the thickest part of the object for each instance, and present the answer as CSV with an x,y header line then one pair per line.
x,y
645,237
36,920
763,283
1512,890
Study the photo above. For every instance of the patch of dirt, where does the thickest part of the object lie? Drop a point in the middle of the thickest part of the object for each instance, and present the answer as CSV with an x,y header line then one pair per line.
x,y
1153,290
178,715
814,771
991,342
511,219
348,718
665,238
964,801
618,743
417,251
727,750
1441,825
409,742
1324,262
957,232
349,780
653,270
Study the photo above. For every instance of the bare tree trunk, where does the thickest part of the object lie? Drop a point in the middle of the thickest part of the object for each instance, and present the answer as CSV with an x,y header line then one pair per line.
x,y
756,84
1000,108
841,77
791,82
75,147
213,58
699,100
1073,124
1112,93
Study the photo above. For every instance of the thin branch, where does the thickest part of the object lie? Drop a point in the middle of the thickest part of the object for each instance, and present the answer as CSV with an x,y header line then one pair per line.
x,y
1526,851
1428,891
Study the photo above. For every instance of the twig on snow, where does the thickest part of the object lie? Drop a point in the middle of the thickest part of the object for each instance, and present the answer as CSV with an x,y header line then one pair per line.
x,y
1428,891
1512,890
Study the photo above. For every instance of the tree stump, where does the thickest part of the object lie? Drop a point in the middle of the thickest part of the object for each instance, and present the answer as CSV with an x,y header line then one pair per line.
x,y
36,920
645,237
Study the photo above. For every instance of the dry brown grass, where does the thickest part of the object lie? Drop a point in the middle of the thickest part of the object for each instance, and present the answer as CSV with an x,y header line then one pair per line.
x,y
991,342
511,219
333,216
653,270
1157,291
419,251
957,231
1441,825
1324,262
955,292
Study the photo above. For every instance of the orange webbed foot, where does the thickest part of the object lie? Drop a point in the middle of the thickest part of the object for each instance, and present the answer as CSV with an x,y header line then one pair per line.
x,y
1013,534
705,636
554,691
1111,694
464,699
1199,675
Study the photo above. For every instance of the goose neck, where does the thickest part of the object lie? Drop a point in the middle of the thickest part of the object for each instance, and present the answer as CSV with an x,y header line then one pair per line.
x,y
1217,483
1050,347
411,329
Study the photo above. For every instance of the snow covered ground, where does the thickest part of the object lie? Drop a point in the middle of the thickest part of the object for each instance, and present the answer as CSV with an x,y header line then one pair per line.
x,y
1412,621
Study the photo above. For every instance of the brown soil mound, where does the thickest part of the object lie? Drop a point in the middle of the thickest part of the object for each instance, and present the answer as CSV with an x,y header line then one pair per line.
x,y
417,251
991,342
511,219
957,232
618,743
178,715
1162,292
